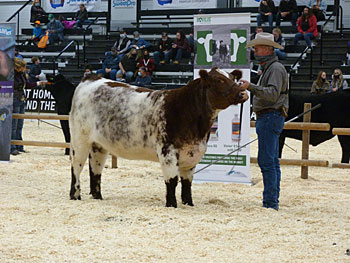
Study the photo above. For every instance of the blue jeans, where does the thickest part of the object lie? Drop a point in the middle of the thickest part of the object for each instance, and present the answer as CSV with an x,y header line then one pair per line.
x,y
179,53
306,36
128,75
80,23
55,37
17,124
280,54
158,55
269,127
260,18
111,75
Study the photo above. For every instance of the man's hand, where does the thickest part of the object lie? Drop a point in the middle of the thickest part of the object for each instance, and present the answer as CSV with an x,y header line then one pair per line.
x,y
244,84
42,83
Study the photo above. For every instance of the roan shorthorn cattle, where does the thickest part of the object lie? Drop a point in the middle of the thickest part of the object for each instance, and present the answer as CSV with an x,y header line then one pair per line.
x,y
167,126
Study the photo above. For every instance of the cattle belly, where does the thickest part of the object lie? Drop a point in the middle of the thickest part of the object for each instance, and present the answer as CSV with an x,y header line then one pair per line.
x,y
148,154
190,155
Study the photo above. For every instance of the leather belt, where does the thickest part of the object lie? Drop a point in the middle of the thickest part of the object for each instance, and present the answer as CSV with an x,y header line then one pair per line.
x,y
263,111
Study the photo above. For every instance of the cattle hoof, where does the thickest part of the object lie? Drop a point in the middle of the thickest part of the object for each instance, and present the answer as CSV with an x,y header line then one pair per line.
x,y
97,196
171,205
75,198
189,203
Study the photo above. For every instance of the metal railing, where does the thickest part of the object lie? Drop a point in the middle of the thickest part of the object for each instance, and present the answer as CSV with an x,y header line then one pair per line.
x,y
84,38
297,61
64,50
17,14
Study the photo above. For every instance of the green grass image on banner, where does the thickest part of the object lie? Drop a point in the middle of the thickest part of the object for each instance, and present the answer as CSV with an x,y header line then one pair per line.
x,y
201,48
241,52
240,160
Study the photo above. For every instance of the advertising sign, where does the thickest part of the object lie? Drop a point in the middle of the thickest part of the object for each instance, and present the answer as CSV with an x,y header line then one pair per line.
x,y
68,6
221,41
7,52
123,13
183,4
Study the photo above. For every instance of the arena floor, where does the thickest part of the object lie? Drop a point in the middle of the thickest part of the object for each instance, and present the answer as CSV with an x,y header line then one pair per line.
x,y
38,222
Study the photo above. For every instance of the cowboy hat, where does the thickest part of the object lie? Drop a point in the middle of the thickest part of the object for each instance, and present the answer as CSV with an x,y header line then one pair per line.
x,y
264,39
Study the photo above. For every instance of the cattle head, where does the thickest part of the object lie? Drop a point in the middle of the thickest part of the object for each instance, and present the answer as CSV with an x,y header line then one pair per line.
x,y
223,88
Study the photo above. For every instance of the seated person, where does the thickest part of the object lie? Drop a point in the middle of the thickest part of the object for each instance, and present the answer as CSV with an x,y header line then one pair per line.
x,y
146,62
87,70
287,11
110,65
35,73
122,44
38,32
66,23
38,13
319,8
162,54
143,79
81,16
180,47
338,83
321,84
128,65
55,29
277,34
266,12
307,27
120,77
138,42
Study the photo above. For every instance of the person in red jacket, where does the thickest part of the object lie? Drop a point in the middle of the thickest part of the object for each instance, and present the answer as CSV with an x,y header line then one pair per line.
x,y
307,27
146,62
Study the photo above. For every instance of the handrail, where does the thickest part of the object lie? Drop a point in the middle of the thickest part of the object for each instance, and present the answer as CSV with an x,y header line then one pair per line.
x,y
64,50
341,21
84,43
17,14
296,62
335,11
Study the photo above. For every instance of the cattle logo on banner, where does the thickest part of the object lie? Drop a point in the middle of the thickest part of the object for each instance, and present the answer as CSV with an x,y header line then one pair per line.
x,y
221,42
7,52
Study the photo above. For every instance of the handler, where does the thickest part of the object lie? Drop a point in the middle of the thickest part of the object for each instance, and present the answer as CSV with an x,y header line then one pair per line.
x,y
270,103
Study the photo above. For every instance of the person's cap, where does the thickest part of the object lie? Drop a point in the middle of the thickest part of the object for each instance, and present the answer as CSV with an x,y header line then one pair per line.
x,y
50,16
264,39
37,22
164,34
136,33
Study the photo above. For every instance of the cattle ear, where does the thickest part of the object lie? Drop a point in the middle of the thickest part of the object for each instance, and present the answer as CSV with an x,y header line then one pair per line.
x,y
237,74
203,74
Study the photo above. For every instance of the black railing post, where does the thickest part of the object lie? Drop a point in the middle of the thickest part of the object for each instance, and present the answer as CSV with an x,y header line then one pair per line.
x,y
84,43
54,67
77,50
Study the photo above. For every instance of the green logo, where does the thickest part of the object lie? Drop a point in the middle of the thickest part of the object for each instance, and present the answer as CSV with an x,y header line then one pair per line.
x,y
204,47
238,51
204,19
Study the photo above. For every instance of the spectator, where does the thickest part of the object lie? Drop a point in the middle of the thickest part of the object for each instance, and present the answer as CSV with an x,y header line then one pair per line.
x,y
266,12
338,83
55,29
277,34
128,65
287,11
66,23
191,41
38,32
20,83
321,84
258,30
17,54
143,79
307,27
87,70
120,77
81,16
38,13
319,8
110,65
162,55
138,42
180,47
147,63
122,44
35,73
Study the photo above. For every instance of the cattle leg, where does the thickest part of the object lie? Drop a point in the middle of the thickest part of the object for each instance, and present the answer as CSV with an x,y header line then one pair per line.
x,y
186,183
344,141
169,163
79,155
97,159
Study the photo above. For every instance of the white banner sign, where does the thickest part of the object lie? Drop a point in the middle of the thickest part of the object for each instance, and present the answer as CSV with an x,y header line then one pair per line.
x,y
183,4
123,13
69,6
221,41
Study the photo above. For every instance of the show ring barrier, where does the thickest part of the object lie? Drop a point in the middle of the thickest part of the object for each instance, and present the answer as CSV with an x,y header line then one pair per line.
x,y
305,127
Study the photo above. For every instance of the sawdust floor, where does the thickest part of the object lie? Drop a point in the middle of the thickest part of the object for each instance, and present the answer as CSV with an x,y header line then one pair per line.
x,y
38,222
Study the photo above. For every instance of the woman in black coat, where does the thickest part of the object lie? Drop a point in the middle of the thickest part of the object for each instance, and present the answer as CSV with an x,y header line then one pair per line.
x,y
38,13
